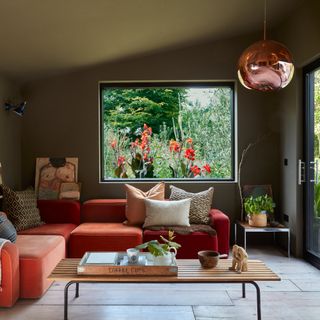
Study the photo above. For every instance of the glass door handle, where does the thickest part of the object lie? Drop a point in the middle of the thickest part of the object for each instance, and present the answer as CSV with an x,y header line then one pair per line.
x,y
301,172
315,166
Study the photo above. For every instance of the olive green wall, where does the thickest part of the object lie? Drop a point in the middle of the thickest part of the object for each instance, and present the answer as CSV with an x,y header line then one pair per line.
x,y
10,136
62,118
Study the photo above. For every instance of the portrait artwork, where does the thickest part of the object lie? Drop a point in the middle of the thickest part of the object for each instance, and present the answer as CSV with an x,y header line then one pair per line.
x,y
52,173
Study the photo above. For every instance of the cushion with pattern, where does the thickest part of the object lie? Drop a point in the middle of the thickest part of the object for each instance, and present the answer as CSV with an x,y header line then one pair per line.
x,y
21,208
200,203
7,230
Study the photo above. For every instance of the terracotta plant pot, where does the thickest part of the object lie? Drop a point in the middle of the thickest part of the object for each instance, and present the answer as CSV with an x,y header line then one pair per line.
x,y
258,220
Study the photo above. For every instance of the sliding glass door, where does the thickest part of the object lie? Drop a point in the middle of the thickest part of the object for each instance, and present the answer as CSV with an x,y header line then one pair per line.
x,y
312,163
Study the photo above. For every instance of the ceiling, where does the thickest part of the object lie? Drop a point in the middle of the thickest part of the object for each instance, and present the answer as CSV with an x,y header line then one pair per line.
x,y
39,38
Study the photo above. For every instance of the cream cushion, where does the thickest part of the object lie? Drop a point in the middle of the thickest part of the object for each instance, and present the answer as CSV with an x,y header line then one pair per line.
x,y
167,213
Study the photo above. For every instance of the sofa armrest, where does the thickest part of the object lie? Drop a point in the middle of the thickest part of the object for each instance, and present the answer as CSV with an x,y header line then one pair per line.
x,y
221,223
10,282
59,211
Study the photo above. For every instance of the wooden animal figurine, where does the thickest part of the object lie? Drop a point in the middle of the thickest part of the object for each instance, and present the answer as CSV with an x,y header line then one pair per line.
x,y
240,259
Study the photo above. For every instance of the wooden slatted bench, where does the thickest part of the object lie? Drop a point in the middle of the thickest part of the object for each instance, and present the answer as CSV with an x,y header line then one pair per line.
x,y
189,271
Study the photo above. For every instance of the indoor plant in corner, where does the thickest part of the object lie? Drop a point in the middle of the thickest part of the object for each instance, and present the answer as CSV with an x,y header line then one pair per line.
x,y
162,252
257,210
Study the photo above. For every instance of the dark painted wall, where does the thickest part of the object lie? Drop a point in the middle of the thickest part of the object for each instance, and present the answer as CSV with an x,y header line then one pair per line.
x,y
62,118
10,136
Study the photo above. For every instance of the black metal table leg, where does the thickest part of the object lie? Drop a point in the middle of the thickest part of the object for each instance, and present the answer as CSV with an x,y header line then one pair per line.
x,y
77,290
258,299
243,290
66,288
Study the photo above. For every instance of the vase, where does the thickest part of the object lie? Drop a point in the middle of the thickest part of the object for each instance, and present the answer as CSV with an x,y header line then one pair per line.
x,y
165,260
258,220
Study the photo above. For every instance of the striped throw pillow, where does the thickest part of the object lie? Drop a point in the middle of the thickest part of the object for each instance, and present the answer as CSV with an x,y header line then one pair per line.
x,y
7,230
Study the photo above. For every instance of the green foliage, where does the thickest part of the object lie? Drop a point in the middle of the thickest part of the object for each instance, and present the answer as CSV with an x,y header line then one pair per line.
x,y
172,115
130,108
317,199
258,204
160,249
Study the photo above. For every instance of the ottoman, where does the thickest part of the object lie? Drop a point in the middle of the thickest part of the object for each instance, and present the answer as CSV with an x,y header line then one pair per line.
x,y
39,254
103,237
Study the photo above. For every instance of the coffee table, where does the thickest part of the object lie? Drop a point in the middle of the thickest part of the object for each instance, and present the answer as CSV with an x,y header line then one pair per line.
x,y
189,271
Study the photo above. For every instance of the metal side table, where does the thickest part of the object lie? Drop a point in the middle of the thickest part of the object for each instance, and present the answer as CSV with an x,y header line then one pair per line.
x,y
246,228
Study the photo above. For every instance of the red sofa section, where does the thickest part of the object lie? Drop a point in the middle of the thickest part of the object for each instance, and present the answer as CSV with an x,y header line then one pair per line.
x,y
71,229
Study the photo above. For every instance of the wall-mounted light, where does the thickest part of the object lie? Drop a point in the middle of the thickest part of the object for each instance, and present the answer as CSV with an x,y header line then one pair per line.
x,y
17,109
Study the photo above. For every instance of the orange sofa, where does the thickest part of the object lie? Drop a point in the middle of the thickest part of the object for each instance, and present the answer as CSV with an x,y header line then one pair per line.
x,y
27,263
72,229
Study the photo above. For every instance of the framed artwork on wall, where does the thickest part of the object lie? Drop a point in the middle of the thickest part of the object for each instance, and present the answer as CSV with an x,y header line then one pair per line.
x,y
51,173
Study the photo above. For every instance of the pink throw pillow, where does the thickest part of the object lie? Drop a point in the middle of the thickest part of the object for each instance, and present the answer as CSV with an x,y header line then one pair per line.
x,y
136,209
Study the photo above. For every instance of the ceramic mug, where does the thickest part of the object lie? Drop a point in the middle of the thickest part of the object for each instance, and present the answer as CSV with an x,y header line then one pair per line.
x,y
133,255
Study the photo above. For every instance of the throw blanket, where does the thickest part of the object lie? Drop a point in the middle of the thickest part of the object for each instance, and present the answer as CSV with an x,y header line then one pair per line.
x,y
2,242
186,230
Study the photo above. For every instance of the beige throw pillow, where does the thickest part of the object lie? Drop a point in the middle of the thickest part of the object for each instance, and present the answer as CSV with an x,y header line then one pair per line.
x,y
200,203
135,209
167,213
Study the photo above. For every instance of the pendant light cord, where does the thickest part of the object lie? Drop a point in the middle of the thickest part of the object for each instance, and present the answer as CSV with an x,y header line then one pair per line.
x,y
265,21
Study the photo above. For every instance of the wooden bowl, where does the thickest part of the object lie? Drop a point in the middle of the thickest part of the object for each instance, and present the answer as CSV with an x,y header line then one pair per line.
x,y
208,258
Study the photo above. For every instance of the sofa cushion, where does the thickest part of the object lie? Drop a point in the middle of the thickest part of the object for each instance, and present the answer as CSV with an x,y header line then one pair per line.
x,y
21,208
7,230
103,237
167,213
63,229
59,211
200,203
190,243
136,210
39,254
104,210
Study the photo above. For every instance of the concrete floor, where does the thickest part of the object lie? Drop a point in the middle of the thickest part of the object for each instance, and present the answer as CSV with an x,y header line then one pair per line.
x,y
296,297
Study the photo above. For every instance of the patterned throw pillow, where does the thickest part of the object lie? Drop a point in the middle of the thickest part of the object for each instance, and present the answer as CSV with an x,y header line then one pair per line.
x,y
200,203
21,208
7,230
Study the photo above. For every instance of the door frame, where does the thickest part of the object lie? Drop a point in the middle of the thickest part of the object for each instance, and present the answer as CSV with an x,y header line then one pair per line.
x,y
308,146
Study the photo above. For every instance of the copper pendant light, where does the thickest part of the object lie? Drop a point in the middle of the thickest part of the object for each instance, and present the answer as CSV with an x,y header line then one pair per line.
x,y
266,65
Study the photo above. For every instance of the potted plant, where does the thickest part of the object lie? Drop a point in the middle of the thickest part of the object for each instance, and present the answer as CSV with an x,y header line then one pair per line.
x,y
161,252
257,209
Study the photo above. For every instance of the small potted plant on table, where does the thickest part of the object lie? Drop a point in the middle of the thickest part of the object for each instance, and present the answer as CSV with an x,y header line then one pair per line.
x,y
257,210
162,252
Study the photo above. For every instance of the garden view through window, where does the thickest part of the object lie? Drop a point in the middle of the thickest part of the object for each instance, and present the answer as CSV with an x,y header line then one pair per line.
x,y
167,131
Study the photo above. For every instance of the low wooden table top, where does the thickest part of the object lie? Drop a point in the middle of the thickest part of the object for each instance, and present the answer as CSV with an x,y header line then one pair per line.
x,y
189,270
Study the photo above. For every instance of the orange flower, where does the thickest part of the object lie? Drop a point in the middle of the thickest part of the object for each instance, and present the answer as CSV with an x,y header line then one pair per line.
x,y
207,168
135,143
189,141
121,160
195,170
174,146
190,154
113,144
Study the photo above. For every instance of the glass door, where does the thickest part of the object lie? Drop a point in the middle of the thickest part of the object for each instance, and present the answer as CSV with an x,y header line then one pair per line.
x,y
312,163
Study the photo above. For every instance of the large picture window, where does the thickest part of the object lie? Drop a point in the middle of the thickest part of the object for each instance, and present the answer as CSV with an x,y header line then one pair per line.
x,y
167,130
